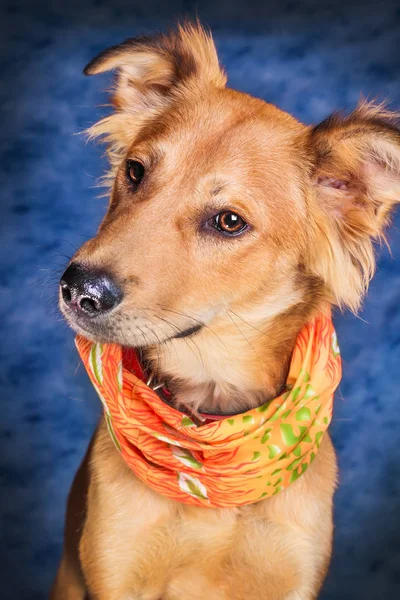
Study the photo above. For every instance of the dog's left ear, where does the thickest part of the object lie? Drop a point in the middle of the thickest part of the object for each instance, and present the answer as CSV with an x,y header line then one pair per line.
x,y
150,74
149,71
356,182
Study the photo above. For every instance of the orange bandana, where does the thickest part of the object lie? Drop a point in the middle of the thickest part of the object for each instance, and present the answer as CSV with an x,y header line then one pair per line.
x,y
230,462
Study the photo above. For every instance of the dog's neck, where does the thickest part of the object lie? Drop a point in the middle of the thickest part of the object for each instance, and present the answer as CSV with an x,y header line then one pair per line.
x,y
233,365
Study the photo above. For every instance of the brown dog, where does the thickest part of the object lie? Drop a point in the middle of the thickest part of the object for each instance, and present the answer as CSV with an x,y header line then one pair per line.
x,y
230,225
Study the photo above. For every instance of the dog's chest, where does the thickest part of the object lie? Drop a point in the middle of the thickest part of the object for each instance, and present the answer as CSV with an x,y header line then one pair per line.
x,y
147,546
145,533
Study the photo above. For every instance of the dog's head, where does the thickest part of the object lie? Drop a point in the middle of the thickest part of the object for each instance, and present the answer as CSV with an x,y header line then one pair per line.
x,y
222,204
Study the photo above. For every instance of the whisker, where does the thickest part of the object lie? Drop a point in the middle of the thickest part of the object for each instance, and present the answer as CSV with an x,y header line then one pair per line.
x,y
70,243
266,334
43,280
159,344
242,334
78,366
199,358
62,254
182,314
165,343
85,236
61,265
143,335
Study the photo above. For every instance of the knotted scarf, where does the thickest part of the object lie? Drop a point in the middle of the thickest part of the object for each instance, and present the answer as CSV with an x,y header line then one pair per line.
x,y
229,462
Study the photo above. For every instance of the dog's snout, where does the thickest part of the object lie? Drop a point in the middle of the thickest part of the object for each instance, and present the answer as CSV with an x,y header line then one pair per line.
x,y
89,291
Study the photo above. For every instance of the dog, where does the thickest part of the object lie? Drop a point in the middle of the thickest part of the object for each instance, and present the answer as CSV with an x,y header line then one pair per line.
x,y
230,227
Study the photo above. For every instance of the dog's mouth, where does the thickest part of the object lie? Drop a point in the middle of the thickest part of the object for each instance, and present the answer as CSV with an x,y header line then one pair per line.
x,y
187,332
119,328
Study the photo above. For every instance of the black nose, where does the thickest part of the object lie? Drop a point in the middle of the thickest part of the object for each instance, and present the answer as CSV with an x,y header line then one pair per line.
x,y
89,291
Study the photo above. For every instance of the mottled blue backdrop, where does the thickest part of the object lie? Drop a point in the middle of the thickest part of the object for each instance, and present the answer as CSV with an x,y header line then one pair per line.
x,y
309,58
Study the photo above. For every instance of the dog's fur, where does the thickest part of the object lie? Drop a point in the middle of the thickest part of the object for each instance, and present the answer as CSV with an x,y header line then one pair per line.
x,y
315,198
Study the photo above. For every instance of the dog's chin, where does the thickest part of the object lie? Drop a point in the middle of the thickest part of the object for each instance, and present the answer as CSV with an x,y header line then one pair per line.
x,y
91,331
96,330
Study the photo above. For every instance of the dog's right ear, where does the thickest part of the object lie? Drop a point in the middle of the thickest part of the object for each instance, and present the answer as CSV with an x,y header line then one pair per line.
x,y
150,70
356,182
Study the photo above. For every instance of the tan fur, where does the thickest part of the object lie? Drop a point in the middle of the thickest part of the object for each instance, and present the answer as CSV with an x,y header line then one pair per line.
x,y
361,153
315,199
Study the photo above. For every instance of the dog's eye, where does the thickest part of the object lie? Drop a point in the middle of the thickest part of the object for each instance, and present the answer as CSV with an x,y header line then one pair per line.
x,y
229,223
134,171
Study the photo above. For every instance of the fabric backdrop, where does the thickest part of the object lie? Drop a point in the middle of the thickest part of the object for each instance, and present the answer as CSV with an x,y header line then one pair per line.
x,y
309,58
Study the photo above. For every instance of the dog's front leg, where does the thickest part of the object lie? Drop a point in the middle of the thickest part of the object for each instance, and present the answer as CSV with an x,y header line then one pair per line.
x,y
125,545
69,583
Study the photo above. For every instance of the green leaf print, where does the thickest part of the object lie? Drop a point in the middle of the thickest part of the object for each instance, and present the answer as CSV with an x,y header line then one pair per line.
x,y
309,392
120,376
164,438
297,472
95,362
256,456
273,450
248,419
295,393
303,414
111,431
305,375
194,489
187,422
266,435
278,413
231,421
294,464
288,435
335,345
192,486
276,472
185,457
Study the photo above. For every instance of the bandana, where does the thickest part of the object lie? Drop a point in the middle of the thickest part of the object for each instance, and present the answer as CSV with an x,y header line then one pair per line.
x,y
229,462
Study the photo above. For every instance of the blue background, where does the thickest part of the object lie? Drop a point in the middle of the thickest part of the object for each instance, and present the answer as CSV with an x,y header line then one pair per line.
x,y
309,58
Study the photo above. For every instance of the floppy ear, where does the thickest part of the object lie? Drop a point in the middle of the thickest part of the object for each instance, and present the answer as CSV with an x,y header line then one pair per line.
x,y
356,180
149,73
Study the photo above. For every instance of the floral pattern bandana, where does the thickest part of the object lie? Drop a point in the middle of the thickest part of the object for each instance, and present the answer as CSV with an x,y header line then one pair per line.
x,y
229,462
